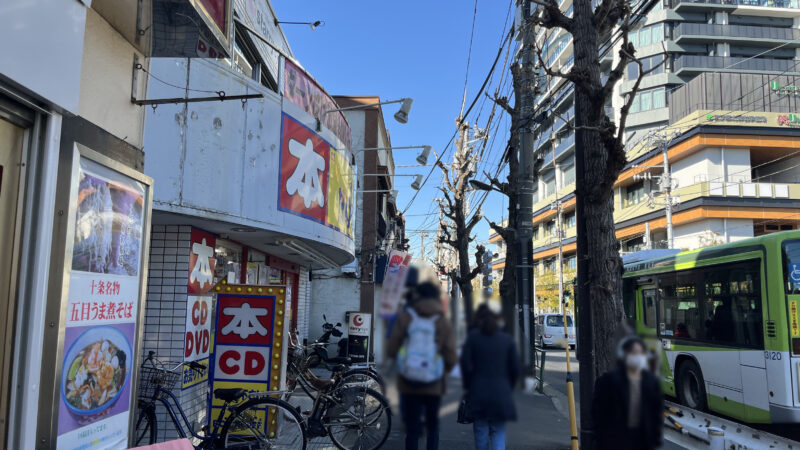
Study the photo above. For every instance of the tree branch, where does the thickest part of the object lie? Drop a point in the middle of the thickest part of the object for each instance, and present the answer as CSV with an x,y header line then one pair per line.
x,y
550,16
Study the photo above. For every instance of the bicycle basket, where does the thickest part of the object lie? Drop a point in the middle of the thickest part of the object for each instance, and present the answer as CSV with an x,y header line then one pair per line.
x,y
152,378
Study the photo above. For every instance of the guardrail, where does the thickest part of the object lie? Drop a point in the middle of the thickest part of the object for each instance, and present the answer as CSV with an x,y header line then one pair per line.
x,y
694,429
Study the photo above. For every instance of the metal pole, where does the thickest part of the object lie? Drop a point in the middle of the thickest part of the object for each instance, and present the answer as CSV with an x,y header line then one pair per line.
x,y
561,265
667,188
573,423
524,223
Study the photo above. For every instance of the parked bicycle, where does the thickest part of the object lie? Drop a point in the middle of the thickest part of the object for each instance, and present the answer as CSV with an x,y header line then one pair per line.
x,y
257,423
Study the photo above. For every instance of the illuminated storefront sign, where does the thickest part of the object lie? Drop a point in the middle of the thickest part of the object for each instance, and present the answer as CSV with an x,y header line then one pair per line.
x,y
784,90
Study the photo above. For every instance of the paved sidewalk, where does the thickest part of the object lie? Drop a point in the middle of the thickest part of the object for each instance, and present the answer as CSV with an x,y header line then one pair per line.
x,y
539,424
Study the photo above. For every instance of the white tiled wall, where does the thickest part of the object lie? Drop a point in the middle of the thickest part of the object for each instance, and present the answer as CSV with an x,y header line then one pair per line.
x,y
165,318
303,302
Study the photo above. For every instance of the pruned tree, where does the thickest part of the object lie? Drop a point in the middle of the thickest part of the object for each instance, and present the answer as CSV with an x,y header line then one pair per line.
x,y
456,230
600,157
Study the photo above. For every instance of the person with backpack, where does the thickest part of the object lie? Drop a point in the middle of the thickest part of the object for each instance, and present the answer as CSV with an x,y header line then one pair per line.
x,y
490,369
424,346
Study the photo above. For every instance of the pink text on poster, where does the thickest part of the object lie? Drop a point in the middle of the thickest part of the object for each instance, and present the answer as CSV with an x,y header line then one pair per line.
x,y
198,328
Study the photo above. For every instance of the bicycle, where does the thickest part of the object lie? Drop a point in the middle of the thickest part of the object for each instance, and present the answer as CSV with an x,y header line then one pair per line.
x,y
260,422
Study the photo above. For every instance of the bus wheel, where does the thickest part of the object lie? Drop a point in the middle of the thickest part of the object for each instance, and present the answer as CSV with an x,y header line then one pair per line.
x,y
690,386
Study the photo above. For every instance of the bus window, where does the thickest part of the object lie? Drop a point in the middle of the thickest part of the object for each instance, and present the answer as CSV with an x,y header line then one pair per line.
x,y
791,266
649,307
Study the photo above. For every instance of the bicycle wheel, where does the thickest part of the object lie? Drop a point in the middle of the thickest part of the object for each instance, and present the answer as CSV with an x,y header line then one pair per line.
x,y
263,423
146,426
363,378
359,419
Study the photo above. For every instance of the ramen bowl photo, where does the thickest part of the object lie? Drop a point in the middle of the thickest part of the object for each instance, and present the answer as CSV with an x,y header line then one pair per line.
x,y
96,370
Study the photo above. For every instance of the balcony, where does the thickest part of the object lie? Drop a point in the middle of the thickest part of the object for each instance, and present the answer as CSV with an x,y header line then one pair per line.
x,y
791,4
701,63
704,31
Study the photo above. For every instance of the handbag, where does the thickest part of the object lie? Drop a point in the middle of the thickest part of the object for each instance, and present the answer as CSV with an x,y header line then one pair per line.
x,y
464,416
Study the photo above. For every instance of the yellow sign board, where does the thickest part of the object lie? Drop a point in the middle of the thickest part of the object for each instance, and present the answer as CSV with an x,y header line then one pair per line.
x,y
795,319
340,193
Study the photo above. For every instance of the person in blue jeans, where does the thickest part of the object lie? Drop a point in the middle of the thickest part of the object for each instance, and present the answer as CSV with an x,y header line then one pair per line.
x,y
490,368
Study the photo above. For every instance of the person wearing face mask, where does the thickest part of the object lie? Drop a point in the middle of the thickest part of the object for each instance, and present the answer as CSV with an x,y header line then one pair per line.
x,y
628,404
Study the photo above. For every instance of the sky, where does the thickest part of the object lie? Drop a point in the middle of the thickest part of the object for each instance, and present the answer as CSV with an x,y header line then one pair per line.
x,y
416,49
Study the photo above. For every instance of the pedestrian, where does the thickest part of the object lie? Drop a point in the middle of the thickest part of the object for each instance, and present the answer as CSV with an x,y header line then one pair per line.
x,y
423,343
628,404
490,368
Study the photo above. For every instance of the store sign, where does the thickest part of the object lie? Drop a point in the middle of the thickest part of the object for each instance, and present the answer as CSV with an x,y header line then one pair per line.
x,y
198,328
341,185
792,90
249,341
304,171
201,262
259,15
789,120
359,326
795,318
94,386
736,118
394,282
304,92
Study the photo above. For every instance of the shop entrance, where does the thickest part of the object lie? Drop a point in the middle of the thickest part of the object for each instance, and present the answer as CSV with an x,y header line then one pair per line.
x,y
11,142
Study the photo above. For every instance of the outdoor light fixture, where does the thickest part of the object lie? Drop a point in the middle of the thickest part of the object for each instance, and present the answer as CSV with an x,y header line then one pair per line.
x,y
400,116
481,186
313,25
422,158
417,184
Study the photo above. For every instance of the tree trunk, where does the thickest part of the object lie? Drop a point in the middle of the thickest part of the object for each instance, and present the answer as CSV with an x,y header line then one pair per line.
x,y
597,164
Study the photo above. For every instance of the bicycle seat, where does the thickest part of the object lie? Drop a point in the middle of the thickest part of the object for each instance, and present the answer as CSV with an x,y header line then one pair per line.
x,y
229,395
335,368
346,360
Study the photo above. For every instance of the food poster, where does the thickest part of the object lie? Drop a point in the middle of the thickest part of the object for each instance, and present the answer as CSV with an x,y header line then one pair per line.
x,y
249,342
102,308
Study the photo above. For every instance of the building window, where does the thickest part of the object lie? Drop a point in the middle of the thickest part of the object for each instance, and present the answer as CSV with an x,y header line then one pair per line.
x,y
572,263
550,228
549,179
659,98
646,101
649,100
535,232
569,220
567,172
634,194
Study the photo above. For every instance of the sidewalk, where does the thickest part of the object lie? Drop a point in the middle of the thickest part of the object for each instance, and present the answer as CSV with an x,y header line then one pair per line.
x,y
539,424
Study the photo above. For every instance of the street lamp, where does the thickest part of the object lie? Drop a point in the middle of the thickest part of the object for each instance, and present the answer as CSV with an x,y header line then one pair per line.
x,y
400,116
313,25
481,186
422,158
415,185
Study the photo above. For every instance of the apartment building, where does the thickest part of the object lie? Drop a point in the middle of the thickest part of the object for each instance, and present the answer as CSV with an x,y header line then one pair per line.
x,y
682,39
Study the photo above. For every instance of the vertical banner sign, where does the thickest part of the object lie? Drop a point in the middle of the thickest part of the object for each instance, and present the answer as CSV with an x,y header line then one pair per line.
x,y
248,342
340,193
358,327
795,319
394,282
198,338
304,171
201,262
94,386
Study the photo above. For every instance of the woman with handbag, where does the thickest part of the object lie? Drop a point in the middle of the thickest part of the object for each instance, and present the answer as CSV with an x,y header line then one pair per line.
x,y
489,369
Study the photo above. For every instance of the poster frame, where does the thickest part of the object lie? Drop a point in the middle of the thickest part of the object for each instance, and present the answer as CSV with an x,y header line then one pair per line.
x,y
59,283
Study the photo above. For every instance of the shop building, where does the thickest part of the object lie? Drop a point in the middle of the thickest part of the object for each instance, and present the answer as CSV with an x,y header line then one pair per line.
x,y
75,211
379,226
255,187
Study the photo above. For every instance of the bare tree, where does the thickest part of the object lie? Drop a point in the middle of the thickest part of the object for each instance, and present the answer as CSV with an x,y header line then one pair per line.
x,y
600,157
456,231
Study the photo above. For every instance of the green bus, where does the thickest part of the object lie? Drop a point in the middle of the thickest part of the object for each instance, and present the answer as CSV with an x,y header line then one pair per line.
x,y
726,319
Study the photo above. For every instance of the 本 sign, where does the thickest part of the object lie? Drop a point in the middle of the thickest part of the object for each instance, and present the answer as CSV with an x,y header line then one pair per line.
x,y
304,171
249,340
198,328
201,262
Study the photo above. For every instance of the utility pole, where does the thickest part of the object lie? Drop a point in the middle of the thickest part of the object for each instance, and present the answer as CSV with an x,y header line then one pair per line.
x,y
524,199
666,187
422,245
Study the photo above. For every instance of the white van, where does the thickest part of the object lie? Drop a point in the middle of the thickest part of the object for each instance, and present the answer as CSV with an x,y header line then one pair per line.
x,y
550,330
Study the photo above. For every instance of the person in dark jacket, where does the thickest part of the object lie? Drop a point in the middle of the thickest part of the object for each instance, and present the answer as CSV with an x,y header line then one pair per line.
x,y
489,369
628,404
417,399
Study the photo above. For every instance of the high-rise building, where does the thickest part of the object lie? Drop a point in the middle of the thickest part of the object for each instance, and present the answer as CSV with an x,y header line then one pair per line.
x,y
677,41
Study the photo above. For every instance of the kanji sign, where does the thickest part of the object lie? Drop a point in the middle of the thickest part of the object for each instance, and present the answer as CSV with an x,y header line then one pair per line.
x,y
303,186
795,320
250,339
201,262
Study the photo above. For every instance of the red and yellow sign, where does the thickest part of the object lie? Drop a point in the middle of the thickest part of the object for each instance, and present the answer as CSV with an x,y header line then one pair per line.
x,y
795,318
250,340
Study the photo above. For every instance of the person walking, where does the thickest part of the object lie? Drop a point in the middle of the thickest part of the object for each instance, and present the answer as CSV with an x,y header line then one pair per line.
x,y
424,346
628,404
490,368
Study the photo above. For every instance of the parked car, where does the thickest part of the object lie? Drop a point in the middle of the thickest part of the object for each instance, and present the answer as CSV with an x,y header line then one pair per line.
x,y
550,330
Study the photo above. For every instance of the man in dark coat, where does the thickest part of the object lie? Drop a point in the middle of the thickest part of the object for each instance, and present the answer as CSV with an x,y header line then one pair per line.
x,y
628,405
489,369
